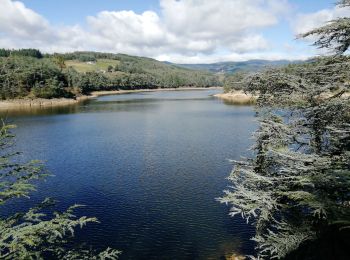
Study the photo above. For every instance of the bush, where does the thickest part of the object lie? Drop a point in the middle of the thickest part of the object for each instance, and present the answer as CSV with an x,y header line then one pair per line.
x,y
52,88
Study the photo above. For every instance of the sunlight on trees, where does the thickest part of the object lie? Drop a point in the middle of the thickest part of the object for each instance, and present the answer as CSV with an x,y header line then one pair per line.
x,y
297,187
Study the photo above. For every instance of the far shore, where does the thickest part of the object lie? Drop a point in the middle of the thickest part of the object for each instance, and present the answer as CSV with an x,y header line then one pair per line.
x,y
44,103
117,92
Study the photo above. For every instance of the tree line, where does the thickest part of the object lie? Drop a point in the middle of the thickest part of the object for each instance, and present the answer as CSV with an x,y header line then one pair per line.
x,y
21,52
28,73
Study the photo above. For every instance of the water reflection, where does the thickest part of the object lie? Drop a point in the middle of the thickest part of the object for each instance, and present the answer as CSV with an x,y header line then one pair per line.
x,y
115,103
149,166
37,111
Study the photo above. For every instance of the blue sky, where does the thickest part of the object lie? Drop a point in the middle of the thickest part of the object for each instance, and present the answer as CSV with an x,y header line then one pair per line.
x,y
193,31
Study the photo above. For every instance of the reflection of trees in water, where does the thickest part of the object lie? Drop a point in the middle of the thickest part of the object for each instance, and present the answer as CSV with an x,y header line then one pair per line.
x,y
38,111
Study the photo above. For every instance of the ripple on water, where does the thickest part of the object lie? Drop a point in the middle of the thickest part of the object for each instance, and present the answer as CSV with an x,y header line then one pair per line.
x,y
149,166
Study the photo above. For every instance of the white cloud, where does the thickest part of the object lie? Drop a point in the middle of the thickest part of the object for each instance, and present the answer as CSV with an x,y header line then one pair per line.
x,y
254,42
306,22
128,27
20,21
21,27
205,19
192,29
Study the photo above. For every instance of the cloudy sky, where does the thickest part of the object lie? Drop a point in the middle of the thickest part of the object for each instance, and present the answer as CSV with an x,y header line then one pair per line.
x,y
182,31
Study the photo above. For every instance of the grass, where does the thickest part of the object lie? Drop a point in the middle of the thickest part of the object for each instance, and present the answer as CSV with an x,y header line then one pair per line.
x,y
101,64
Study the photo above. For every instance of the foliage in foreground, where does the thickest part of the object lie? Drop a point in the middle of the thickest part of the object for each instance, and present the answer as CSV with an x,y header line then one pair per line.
x,y
297,187
33,234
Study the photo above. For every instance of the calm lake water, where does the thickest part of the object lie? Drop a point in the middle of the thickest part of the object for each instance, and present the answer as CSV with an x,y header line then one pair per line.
x,y
148,165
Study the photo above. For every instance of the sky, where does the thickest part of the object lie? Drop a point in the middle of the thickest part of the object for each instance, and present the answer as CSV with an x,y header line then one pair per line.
x,y
180,31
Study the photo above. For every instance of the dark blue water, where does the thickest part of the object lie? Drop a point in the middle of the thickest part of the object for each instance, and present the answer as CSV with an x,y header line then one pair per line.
x,y
148,165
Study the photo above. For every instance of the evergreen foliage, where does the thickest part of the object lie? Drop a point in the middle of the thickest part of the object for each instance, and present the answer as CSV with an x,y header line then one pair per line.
x,y
234,81
21,52
33,234
23,76
50,77
297,187
335,34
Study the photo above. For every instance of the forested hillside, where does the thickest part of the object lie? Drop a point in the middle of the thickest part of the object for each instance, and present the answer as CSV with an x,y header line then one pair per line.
x,y
239,66
30,73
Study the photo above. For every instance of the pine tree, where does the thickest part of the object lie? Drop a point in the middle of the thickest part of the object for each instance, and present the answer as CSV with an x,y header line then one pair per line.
x,y
297,187
335,35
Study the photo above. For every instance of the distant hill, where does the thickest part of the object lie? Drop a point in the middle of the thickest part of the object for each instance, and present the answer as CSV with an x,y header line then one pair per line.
x,y
140,71
231,67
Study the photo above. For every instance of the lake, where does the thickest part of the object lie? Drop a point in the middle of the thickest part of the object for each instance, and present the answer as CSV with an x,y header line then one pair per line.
x,y
148,165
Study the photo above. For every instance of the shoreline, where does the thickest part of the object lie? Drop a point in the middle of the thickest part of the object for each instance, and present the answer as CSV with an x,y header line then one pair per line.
x,y
95,94
237,97
38,103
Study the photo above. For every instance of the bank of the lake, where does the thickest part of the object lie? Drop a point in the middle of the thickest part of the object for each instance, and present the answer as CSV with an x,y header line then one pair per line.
x,y
240,97
56,102
237,97
118,92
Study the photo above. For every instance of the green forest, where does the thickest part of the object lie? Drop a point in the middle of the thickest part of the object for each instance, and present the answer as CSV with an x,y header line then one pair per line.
x,y
29,73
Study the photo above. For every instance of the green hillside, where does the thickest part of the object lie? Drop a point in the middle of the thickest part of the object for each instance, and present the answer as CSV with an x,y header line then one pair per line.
x,y
158,74
29,73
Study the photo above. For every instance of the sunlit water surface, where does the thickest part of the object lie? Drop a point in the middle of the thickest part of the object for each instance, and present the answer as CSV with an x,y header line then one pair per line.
x,y
148,165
